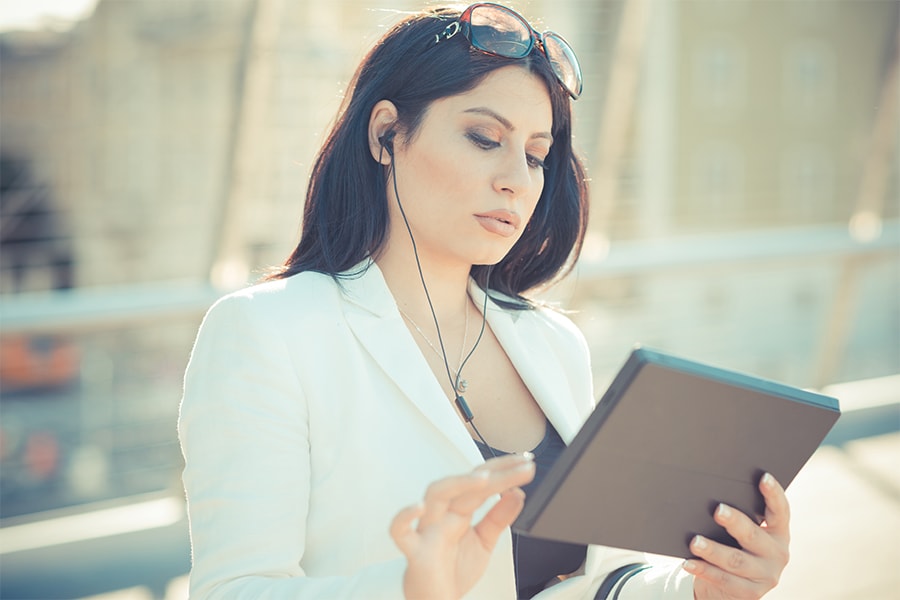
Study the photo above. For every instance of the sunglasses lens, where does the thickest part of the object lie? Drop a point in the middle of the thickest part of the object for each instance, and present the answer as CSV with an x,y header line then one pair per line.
x,y
565,65
499,31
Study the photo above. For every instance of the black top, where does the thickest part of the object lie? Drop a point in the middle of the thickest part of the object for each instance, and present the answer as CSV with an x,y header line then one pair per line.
x,y
537,561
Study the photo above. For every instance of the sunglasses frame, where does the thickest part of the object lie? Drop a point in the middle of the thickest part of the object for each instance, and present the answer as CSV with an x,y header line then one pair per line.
x,y
464,25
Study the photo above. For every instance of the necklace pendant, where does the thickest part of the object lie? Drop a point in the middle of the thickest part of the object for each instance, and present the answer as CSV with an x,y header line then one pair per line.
x,y
462,385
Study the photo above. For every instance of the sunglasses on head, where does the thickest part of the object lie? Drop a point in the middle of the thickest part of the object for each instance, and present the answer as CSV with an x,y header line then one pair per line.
x,y
503,32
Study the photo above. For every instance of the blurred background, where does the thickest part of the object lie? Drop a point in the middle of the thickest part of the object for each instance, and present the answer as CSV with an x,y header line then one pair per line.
x,y
743,158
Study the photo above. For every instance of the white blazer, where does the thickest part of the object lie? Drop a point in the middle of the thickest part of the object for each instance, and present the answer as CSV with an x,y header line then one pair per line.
x,y
310,418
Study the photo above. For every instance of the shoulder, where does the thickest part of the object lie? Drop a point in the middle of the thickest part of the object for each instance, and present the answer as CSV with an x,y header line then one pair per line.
x,y
547,331
554,323
558,320
295,295
271,310
542,322
267,321
562,333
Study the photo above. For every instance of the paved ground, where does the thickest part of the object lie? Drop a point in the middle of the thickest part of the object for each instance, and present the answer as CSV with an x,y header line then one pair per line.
x,y
846,524
845,504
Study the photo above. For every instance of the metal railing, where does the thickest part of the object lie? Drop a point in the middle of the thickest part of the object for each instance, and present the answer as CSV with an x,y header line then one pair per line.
x,y
110,430
108,307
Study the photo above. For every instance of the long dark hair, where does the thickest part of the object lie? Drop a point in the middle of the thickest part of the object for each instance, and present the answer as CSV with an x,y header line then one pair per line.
x,y
345,218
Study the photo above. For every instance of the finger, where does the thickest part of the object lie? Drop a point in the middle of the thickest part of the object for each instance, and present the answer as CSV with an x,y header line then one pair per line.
x,y
500,517
402,531
754,539
513,474
778,510
732,585
462,495
507,461
734,561
441,493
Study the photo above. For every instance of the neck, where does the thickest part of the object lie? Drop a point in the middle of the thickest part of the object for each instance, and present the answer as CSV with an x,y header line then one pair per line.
x,y
447,288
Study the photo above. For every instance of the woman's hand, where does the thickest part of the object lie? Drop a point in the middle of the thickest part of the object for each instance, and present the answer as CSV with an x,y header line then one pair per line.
x,y
729,573
446,554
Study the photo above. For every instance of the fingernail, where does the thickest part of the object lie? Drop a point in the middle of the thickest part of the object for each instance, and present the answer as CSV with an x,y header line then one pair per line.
x,y
768,480
699,542
723,511
689,566
528,456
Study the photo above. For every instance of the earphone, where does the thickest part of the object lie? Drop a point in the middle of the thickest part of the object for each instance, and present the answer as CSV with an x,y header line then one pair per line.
x,y
387,141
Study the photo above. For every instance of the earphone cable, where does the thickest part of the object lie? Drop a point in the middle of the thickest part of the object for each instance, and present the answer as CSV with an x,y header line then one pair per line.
x,y
483,323
421,274
461,403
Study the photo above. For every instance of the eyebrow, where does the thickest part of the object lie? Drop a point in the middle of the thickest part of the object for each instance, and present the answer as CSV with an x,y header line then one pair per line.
x,y
483,110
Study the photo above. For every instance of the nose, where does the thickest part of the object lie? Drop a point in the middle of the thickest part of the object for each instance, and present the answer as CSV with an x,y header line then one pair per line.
x,y
514,176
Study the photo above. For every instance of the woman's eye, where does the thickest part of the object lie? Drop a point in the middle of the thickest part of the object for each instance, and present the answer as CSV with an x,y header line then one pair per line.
x,y
481,141
486,143
536,163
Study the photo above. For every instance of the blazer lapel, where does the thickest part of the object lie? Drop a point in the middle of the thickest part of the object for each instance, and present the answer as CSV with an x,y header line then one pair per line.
x,y
372,314
524,340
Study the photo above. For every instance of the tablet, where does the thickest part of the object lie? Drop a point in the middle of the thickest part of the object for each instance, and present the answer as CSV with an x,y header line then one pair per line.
x,y
668,441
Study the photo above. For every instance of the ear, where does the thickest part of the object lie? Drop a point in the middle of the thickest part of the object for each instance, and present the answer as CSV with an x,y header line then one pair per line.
x,y
382,120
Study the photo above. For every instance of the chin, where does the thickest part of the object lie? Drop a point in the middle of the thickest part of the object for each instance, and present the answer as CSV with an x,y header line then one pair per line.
x,y
489,253
491,258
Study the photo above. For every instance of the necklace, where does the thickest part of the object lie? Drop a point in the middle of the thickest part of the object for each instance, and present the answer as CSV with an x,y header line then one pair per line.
x,y
461,384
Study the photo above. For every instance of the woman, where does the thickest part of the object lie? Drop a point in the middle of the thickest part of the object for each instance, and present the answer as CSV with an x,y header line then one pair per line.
x,y
329,415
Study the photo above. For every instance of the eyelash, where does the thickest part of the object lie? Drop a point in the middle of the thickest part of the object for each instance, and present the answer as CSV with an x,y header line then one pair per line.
x,y
487,144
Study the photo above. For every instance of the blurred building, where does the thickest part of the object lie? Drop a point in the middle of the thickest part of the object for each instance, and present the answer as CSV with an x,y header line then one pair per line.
x,y
153,124
754,124
127,118
755,115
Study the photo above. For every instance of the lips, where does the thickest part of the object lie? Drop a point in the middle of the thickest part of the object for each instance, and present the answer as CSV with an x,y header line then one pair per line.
x,y
501,222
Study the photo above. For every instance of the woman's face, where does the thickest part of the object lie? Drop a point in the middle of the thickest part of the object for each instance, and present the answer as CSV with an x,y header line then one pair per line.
x,y
471,175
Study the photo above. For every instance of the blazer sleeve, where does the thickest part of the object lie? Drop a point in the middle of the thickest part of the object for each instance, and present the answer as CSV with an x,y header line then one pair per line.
x,y
243,428
661,581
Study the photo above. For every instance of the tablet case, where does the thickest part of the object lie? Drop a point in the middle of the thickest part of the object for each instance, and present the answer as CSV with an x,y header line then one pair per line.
x,y
669,440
